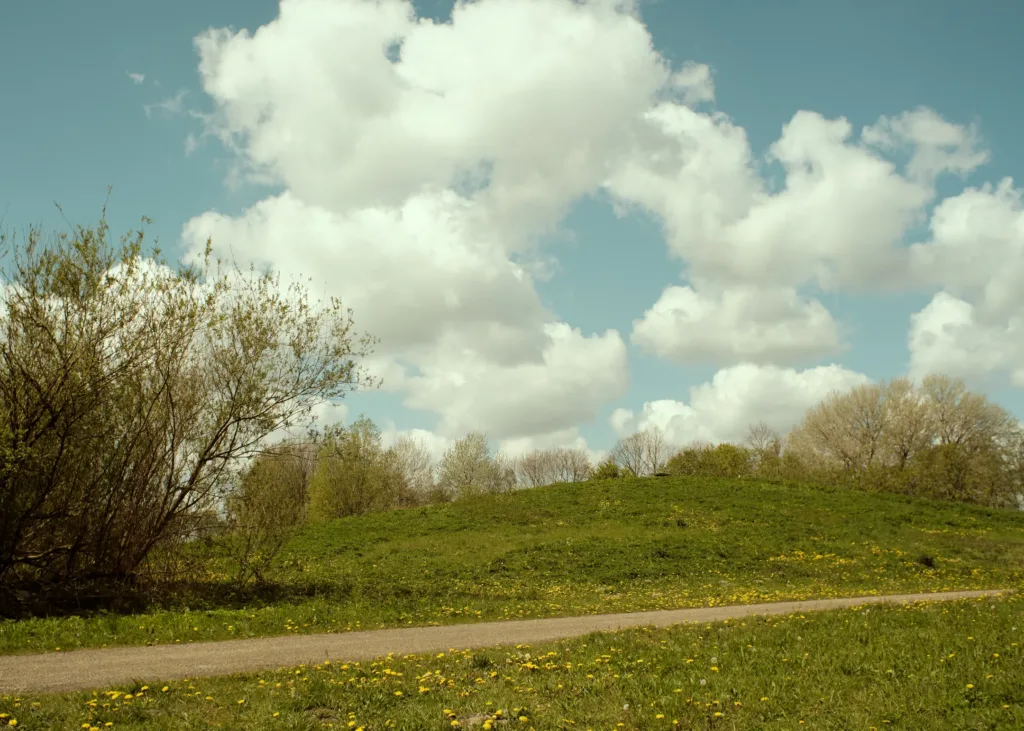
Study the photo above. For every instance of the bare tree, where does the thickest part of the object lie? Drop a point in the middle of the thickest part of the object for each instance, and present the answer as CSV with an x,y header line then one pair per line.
x,y
909,424
569,465
546,466
846,429
762,439
534,469
642,453
939,440
765,445
630,453
961,417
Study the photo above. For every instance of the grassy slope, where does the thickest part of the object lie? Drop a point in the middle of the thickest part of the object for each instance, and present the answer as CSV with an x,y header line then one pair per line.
x,y
601,547
929,666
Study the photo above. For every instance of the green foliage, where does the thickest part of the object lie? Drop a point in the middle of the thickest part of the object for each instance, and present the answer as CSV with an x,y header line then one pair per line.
x,y
721,460
467,469
266,505
354,474
591,547
607,470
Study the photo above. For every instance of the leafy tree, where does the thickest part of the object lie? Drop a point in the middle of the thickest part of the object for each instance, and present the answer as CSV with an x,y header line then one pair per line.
x,y
607,470
267,504
129,391
415,469
467,468
354,474
721,460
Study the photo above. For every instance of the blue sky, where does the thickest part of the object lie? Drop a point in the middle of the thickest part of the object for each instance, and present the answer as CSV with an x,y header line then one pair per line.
x,y
76,123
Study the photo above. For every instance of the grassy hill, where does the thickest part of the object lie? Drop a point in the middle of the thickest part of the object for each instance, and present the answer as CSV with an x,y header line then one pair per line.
x,y
619,545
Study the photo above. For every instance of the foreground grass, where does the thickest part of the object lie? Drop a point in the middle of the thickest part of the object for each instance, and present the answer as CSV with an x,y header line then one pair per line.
x,y
620,545
941,665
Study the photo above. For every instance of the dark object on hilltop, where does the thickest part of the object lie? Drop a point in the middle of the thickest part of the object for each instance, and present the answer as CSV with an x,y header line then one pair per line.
x,y
662,474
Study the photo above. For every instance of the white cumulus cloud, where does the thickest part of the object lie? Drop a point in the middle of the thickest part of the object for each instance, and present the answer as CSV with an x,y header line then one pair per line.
x,y
722,409
421,163
739,324
974,327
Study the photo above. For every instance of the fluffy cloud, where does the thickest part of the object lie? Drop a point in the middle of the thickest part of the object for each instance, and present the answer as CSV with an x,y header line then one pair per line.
x,y
411,273
740,324
976,248
418,184
568,438
974,327
838,219
434,444
948,337
538,117
414,181
835,219
737,397
564,386
936,146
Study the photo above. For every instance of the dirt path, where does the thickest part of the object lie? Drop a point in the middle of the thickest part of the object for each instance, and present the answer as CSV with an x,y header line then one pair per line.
x,y
86,669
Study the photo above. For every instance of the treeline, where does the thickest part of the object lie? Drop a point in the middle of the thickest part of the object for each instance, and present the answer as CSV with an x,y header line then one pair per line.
x,y
935,440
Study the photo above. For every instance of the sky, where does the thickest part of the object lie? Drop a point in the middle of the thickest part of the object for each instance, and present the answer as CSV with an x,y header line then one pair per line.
x,y
565,221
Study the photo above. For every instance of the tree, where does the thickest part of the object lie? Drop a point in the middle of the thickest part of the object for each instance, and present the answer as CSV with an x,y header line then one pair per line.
x,y
569,465
846,430
467,468
354,475
765,445
642,453
129,391
938,440
416,470
534,469
721,460
909,425
964,418
267,503
547,466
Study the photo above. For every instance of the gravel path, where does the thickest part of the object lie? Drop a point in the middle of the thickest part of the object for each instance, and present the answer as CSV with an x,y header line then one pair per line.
x,y
87,669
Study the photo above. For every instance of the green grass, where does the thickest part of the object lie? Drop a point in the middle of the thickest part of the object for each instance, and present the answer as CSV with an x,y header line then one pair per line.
x,y
611,546
951,665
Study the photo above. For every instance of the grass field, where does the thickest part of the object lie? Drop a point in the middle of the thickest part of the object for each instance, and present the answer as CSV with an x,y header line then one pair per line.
x,y
611,546
955,665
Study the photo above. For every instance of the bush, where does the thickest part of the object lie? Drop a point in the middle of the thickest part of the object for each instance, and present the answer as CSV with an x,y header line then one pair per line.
x,y
722,460
607,470
128,392
267,504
